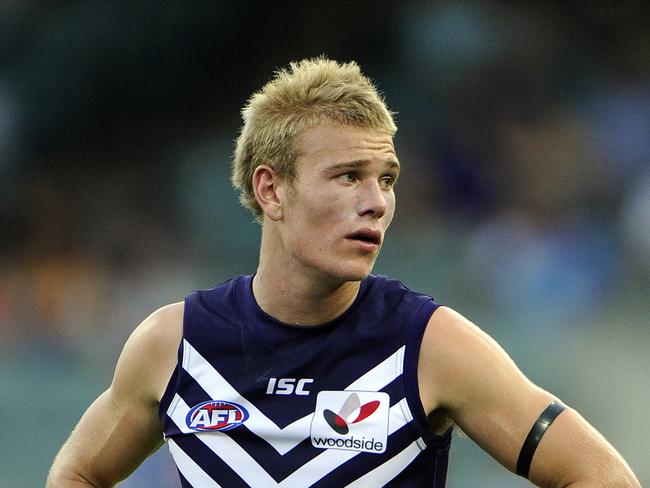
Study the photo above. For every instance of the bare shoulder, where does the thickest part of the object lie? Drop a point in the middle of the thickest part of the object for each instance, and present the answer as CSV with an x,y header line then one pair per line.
x,y
453,340
459,362
449,325
162,329
150,354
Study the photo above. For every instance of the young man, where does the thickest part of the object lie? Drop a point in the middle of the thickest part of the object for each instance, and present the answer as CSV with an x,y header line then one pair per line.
x,y
313,372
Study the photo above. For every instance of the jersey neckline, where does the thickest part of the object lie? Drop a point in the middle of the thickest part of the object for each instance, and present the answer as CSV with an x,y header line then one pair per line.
x,y
249,308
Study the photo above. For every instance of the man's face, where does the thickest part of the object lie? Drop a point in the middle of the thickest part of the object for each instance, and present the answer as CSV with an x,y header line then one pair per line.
x,y
342,201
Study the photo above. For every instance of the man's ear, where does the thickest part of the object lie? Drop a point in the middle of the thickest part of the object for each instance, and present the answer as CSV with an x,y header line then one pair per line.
x,y
266,185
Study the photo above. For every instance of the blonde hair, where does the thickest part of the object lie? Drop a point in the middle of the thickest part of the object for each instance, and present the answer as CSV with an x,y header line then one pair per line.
x,y
307,94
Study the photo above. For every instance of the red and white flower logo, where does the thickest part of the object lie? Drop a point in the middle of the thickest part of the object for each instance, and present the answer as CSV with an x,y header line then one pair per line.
x,y
351,412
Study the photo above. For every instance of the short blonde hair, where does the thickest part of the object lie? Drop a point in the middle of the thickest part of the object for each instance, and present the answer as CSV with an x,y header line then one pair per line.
x,y
307,94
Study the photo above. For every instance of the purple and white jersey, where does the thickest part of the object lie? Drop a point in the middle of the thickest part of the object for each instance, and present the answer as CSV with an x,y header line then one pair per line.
x,y
256,402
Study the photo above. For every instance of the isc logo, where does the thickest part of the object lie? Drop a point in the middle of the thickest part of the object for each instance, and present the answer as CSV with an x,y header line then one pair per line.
x,y
288,386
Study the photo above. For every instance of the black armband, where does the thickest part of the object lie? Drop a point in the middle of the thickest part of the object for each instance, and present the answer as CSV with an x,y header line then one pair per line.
x,y
535,435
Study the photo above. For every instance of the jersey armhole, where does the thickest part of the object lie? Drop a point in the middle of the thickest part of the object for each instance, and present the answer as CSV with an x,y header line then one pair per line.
x,y
414,335
174,379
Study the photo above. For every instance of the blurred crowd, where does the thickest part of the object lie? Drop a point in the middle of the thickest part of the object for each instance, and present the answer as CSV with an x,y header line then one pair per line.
x,y
524,137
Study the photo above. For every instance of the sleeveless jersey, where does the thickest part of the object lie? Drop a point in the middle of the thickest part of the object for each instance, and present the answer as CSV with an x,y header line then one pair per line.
x,y
256,402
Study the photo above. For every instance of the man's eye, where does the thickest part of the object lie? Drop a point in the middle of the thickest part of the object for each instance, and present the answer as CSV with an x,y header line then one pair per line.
x,y
348,177
387,182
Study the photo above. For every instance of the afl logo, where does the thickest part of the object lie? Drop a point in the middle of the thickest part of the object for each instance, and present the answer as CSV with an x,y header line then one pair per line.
x,y
216,415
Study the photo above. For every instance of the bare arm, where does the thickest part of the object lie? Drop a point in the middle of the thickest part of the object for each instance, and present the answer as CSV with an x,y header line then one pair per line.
x,y
121,428
465,372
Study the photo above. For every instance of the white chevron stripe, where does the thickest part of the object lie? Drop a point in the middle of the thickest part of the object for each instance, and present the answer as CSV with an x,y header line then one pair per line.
x,y
255,475
189,469
317,468
382,374
282,440
396,418
387,471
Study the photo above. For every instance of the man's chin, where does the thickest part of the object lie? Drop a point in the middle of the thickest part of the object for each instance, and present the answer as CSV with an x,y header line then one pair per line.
x,y
344,270
353,273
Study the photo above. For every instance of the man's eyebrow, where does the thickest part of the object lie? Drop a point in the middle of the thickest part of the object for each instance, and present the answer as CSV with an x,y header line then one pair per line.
x,y
359,164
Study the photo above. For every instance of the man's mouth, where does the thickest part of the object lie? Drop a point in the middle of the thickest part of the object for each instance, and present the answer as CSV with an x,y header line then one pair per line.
x,y
366,235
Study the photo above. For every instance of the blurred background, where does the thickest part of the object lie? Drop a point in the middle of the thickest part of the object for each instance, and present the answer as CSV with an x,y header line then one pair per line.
x,y
524,200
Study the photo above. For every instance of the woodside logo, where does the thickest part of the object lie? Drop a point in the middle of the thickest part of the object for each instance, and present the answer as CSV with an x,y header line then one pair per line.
x,y
351,420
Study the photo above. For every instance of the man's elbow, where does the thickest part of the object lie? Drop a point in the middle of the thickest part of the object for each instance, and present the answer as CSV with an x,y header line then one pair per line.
x,y
616,479
65,477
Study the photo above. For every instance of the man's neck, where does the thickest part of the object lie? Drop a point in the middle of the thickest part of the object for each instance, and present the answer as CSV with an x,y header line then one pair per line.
x,y
302,300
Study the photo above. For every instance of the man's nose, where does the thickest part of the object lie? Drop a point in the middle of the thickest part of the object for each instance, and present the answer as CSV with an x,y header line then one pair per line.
x,y
372,200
